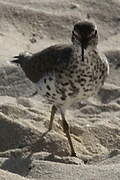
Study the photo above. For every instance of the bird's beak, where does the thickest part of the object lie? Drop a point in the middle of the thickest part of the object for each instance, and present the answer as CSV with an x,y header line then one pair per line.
x,y
84,45
82,52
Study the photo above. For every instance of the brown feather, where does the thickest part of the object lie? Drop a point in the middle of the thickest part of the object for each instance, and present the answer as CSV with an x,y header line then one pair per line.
x,y
46,61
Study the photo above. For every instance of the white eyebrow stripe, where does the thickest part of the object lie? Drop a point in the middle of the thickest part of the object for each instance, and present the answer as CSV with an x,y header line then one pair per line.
x,y
75,33
96,27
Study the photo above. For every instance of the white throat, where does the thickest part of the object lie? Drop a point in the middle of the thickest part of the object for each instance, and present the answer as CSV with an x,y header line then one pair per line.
x,y
78,49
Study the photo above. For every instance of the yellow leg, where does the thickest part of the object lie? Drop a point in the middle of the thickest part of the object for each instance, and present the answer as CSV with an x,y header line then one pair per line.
x,y
67,132
53,111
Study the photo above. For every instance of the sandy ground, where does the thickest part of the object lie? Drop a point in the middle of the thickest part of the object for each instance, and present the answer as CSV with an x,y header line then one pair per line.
x,y
27,149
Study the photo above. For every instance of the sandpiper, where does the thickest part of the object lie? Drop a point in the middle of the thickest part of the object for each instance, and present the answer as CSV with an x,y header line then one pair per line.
x,y
65,74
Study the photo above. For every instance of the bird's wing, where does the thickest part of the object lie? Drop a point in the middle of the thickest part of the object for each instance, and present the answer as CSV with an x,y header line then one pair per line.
x,y
46,61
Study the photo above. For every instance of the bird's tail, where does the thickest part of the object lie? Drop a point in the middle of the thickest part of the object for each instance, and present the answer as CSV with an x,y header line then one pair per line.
x,y
21,58
16,61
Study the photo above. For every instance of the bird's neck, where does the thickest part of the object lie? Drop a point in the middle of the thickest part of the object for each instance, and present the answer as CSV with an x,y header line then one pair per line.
x,y
78,50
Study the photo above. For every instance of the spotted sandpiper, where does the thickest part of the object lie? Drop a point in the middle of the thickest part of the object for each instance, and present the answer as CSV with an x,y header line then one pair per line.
x,y
65,74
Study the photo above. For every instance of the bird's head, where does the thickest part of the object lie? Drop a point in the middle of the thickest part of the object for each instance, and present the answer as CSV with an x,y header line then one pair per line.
x,y
85,34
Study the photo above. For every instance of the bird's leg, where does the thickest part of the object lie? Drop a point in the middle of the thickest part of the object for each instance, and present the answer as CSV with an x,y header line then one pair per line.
x,y
67,132
53,111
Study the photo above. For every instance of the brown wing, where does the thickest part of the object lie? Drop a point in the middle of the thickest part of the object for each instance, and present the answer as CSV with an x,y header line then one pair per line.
x,y
46,61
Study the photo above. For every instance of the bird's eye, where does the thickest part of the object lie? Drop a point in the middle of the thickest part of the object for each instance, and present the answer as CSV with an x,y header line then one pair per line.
x,y
95,33
74,34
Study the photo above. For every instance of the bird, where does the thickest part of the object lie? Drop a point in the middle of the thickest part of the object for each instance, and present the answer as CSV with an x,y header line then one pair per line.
x,y
65,74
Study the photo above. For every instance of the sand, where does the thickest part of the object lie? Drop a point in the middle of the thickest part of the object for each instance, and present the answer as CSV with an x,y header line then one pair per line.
x,y
27,149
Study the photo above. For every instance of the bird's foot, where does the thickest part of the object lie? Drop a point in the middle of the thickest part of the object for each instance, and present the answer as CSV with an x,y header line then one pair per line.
x,y
73,154
50,128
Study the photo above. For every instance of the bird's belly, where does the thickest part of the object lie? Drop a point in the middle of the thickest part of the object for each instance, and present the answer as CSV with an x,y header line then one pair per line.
x,y
67,91
81,89
82,94
47,88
